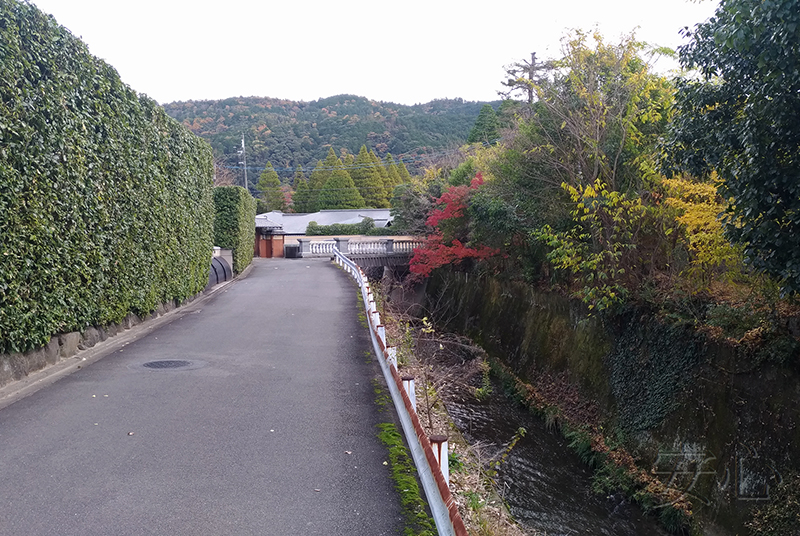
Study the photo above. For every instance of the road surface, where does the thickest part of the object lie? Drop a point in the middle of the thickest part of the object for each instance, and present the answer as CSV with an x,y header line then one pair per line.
x,y
269,430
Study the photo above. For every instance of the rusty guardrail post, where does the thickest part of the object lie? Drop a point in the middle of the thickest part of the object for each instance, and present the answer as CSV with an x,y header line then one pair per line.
x,y
439,444
408,385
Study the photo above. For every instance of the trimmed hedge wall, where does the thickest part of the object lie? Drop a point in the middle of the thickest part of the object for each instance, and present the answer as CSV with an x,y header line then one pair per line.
x,y
366,226
105,201
235,223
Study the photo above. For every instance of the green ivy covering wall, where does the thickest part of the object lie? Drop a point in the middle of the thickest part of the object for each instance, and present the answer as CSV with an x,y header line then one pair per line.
x,y
235,223
105,201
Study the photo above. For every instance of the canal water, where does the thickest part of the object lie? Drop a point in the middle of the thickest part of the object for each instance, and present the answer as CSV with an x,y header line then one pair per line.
x,y
547,487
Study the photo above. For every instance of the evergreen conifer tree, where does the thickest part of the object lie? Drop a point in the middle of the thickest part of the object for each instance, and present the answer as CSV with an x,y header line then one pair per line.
x,y
269,188
340,192
394,176
379,165
298,176
368,180
348,159
485,129
302,202
321,175
323,171
405,176
394,173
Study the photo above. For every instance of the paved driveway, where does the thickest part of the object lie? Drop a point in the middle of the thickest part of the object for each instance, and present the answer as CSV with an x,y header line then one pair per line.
x,y
269,431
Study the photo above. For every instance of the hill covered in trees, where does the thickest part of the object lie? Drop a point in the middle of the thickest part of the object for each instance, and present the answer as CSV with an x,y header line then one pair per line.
x,y
292,133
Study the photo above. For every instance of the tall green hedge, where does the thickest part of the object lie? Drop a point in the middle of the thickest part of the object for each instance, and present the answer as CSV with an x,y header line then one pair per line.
x,y
235,223
105,201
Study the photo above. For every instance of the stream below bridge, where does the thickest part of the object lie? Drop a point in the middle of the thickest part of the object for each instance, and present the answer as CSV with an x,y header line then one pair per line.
x,y
546,486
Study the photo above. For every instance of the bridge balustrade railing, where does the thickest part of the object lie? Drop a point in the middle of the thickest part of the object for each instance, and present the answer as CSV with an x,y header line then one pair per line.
x,y
319,248
323,247
432,469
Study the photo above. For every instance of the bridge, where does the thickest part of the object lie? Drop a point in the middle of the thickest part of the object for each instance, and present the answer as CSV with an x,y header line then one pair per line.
x,y
364,253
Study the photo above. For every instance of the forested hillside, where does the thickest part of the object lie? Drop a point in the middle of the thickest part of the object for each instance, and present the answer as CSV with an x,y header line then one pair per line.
x,y
290,133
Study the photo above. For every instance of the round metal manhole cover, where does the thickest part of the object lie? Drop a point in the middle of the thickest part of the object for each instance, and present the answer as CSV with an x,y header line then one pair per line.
x,y
167,364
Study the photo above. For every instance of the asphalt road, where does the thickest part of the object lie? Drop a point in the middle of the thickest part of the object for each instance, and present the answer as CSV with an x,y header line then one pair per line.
x,y
269,431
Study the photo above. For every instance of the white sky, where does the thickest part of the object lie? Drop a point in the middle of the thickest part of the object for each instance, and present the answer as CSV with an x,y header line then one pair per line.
x,y
406,52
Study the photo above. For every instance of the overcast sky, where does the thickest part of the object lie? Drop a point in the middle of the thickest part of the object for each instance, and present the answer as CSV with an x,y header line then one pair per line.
x,y
406,52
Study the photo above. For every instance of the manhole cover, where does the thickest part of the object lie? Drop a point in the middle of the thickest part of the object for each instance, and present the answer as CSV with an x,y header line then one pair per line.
x,y
167,364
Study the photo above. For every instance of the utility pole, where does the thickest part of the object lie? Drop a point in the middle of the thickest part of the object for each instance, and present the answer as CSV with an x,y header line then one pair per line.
x,y
244,163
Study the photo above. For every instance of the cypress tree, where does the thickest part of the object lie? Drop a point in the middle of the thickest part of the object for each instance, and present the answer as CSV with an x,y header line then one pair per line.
x,y
298,176
323,171
368,180
485,128
394,173
348,159
394,176
378,163
340,192
302,202
405,176
269,188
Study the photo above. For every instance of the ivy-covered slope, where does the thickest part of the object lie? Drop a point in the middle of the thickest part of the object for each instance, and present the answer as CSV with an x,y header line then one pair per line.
x,y
105,201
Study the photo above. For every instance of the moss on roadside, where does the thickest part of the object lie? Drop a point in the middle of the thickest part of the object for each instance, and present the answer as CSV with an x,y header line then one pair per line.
x,y
417,521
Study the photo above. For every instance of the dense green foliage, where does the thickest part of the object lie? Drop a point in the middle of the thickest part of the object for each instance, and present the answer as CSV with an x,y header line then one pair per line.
x,y
741,120
368,180
105,201
573,198
339,192
289,133
234,223
269,189
563,192
485,129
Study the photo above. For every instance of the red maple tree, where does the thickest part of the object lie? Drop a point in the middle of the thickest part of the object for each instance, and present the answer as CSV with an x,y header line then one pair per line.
x,y
445,245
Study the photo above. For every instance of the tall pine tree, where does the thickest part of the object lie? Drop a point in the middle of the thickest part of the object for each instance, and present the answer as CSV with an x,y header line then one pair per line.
x,y
368,180
378,163
340,192
485,128
301,200
323,171
405,176
322,174
269,188
298,176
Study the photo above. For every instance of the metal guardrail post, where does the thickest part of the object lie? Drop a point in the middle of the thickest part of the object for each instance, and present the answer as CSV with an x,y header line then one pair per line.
x,y
439,444
408,385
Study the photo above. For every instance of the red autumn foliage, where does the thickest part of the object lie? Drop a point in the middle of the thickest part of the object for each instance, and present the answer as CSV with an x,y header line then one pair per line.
x,y
454,202
448,218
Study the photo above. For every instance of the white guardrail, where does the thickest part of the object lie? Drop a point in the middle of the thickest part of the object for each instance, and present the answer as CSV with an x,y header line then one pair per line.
x,y
429,453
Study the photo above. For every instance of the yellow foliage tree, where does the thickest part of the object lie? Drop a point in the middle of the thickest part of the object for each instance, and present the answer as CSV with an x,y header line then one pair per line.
x,y
699,205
